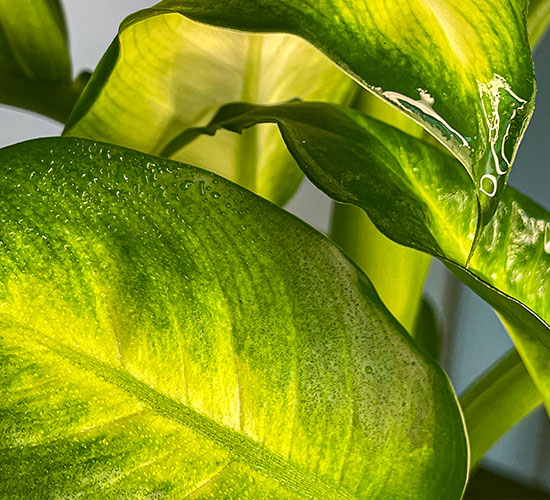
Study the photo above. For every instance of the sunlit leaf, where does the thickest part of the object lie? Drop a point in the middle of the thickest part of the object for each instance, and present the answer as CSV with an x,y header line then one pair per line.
x,y
420,197
165,333
165,73
461,69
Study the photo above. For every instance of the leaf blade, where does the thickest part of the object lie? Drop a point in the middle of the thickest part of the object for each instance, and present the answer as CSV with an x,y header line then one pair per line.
x,y
164,73
125,270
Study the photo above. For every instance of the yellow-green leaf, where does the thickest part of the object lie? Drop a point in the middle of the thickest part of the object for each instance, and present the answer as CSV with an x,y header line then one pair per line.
x,y
165,333
165,73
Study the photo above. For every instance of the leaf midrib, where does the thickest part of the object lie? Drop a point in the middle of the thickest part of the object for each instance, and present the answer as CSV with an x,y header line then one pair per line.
x,y
244,449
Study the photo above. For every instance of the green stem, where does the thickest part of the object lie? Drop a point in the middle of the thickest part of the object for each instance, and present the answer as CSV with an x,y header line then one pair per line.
x,y
496,401
54,100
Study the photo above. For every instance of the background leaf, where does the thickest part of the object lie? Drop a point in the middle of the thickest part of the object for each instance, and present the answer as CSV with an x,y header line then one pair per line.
x,y
165,73
462,70
35,67
165,332
538,20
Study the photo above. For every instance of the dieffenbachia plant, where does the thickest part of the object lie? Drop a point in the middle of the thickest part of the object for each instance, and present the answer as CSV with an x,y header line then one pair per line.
x,y
161,335
166,333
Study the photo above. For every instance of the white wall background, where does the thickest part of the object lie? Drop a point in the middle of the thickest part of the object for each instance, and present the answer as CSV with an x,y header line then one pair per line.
x,y
479,338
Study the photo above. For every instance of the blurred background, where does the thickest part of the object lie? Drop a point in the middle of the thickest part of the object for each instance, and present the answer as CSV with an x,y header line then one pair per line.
x,y
473,336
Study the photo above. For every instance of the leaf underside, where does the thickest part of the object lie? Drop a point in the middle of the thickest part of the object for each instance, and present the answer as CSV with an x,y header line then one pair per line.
x,y
165,73
462,70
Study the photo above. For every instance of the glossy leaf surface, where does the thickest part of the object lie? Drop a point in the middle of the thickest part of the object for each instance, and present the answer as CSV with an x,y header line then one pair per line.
x,y
421,197
164,332
463,70
165,73
34,57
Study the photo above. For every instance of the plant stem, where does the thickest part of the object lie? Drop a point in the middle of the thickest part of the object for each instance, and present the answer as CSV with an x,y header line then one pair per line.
x,y
496,401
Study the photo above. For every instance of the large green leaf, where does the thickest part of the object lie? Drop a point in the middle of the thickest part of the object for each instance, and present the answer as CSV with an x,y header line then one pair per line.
x,y
165,73
165,333
420,197
463,69
35,68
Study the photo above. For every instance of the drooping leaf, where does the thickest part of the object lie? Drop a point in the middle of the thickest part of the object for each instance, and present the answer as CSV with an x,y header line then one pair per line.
x,y
463,70
420,197
165,333
164,73
35,67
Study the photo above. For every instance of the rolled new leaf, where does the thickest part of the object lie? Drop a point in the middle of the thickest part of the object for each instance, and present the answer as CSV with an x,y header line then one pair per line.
x,y
164,73
166,333
421,197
